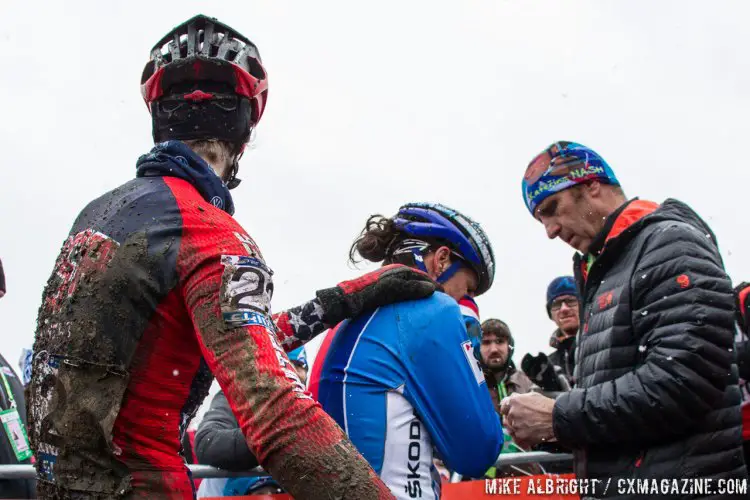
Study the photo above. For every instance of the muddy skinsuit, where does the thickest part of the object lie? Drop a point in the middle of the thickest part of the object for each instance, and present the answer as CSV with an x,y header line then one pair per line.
x,y
155,289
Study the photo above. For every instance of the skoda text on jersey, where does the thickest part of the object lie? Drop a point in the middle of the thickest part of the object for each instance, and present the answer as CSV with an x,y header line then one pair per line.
x,y
399,383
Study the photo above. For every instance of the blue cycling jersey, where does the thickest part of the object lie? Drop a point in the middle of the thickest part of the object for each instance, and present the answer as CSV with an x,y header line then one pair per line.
x,y
404,384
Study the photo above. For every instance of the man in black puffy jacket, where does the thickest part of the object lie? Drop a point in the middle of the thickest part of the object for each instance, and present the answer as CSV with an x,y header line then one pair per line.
x,y
656,394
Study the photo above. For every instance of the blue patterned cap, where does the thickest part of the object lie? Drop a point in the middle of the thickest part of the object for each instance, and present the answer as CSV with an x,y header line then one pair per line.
x,y
561,166
298,356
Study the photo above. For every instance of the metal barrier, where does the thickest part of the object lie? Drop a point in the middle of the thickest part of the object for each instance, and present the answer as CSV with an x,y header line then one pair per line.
x,y
206,471
522,458
532,457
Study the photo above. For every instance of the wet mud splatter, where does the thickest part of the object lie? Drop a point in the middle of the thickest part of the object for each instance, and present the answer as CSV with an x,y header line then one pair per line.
x,y
294,440
88,327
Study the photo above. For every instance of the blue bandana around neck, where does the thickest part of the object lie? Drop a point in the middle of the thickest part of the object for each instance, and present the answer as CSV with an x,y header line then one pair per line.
x,y
176,159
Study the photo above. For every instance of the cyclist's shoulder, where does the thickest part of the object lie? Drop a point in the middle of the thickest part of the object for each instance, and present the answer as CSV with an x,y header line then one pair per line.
x,y
437,317
437,308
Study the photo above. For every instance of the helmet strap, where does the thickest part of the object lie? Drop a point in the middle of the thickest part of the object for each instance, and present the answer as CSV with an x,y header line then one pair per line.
x,y
419,253
419,259
233,181
448,273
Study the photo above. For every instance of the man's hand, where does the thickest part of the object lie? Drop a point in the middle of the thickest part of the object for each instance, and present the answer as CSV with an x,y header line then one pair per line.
x,y
528,418
389,284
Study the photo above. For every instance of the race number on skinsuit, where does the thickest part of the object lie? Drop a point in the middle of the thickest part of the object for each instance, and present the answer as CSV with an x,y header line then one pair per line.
x,y
246,291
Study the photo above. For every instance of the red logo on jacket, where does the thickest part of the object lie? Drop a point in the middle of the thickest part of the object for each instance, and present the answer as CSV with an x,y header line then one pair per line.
x,y
605,300
683,280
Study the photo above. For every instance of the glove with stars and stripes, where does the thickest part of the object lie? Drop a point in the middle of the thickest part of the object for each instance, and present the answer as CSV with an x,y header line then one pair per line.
x,y
389,284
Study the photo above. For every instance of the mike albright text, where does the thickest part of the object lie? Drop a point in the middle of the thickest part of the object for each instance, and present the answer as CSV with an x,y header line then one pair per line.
x,y
543,486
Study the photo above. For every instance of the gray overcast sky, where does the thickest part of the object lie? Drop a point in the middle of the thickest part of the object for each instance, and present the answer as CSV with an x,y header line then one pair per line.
x,y
374,105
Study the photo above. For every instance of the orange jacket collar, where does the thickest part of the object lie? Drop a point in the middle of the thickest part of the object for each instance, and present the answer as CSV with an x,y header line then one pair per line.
x,y
634,212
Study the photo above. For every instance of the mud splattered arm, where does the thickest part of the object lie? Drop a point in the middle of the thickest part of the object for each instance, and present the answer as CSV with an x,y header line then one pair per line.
x,y
293,439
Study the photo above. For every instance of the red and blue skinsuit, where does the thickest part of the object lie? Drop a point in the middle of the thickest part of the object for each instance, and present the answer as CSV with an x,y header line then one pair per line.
x,y
156,290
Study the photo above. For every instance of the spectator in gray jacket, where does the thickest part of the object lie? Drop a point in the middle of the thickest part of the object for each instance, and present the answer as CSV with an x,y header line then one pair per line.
x,y
219,442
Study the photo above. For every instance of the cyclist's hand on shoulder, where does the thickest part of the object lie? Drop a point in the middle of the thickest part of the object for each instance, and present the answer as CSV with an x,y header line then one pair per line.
x,y
387,285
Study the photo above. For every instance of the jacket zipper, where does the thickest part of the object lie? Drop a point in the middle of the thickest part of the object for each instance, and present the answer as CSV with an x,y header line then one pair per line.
x,y
581,463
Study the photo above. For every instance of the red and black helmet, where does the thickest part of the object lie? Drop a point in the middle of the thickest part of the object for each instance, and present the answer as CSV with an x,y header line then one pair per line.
x,y
204,80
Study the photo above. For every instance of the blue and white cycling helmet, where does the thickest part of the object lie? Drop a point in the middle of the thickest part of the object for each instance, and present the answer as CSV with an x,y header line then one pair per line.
x,y
462,235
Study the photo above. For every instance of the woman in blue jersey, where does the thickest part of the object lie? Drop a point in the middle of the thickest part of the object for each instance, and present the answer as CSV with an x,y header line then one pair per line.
x,y
403,381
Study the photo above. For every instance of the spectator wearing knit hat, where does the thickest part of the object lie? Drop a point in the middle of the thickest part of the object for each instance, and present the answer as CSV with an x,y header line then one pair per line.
x,y
562,308
656,393
554,373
